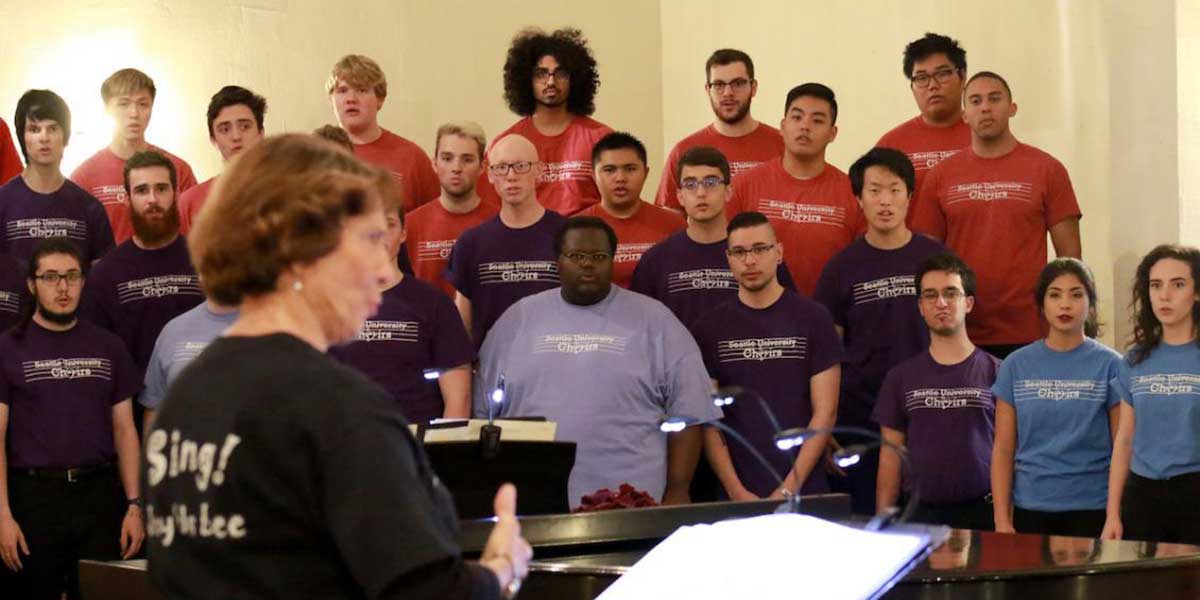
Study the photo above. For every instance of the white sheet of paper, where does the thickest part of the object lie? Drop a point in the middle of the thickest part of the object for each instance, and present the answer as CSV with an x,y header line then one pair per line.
x,y
794,555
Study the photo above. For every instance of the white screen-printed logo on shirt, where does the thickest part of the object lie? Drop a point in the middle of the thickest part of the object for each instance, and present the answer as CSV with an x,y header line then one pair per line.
x,y
700,279
187,351
990,191
1060,389
434,250
923,161
630,252
32,229
203,466
9,302
760,349
884,289
518,271
742,166
389,331
945,398
810,214
67,368
568,170
157,287
579,343
1166,384
109,194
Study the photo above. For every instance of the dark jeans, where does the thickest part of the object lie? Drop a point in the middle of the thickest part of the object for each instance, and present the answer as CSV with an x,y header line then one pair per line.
x,y
62,522
970,514
1162,510
1077,523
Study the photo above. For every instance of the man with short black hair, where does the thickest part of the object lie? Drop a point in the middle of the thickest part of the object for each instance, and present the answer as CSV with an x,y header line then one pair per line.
x,y
628,363
745,142
235,123
619,160
809,201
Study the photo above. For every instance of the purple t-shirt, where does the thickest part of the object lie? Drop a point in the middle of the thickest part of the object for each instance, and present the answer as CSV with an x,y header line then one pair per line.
x,y
872,296
948,414
70,212
12,290
494,265
417,328
135,292
689,277
60,388
774,351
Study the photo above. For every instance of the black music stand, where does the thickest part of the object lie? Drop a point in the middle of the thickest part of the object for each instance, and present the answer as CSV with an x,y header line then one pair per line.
x,y
538,469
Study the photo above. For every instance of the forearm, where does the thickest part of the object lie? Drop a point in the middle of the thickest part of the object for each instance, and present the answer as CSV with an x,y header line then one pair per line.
x,y
1118,473
719,460
813,449
455,385
126,441
463,304
887,485
683,452
148,421
5,506
1002,477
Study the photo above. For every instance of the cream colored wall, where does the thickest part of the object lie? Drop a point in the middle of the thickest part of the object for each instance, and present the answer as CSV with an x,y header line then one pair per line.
x,y
443,60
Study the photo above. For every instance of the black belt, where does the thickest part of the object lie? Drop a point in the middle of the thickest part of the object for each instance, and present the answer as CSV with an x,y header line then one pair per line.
x,y
70,475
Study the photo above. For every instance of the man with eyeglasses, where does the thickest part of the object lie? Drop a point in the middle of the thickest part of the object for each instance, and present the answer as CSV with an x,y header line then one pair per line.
x,y
869,290
608,366
511,255
550,80
783,347
149,279
688,271
68,445
620,163
808,200
745,142
993,205
939,406
935,67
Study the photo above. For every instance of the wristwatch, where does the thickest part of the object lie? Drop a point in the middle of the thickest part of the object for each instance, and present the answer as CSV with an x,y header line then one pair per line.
x,y
138,502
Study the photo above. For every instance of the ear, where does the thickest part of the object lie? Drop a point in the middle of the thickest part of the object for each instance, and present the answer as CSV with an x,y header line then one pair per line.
x,y
833,134
29,284
753,87
969,304
1012,109
779,249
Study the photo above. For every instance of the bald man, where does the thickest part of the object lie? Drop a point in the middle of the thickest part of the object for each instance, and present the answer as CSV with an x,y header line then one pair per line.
x,y
511,255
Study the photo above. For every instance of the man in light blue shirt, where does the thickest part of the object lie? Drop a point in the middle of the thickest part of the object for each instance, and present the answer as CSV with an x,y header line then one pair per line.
x,y
181,340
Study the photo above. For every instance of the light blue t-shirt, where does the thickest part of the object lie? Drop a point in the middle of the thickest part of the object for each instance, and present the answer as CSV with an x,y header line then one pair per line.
x,y
606,373
1064,444
1164,391
180,341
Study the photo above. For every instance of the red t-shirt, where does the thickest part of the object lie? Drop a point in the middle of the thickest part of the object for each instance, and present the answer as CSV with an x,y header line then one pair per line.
x,y
995,212
566,185
636,234
432,231
926,146
813,218
408,164
10,160
743,153
190,203
103,176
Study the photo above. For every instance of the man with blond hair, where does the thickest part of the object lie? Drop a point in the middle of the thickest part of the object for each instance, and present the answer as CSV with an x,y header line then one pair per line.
x,y
357,88
434,227
128,97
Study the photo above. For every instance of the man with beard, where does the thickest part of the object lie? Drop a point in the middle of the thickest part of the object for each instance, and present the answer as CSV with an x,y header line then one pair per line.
x,y
235,123
743,140
551,81
68,447
148,280
607,365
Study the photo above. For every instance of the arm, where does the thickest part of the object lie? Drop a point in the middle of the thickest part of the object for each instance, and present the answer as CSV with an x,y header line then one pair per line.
x,y
125,438
455,385
1118,472
824,392
1003,450
12,540
722,465
148,421
887,486
463,304
1065,238
683,452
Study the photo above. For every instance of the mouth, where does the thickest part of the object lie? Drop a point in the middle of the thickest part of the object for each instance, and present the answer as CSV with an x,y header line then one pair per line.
x,y
620,191
805,140
1064,319
351,112
987,122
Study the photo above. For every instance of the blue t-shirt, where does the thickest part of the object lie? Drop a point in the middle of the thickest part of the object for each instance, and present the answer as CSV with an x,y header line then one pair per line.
x,y
181,340
1164,391
1064,444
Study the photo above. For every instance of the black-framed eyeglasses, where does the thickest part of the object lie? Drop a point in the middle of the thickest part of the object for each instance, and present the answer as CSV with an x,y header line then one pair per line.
x,y
758,250
736,85
560,74
520,167
692,184
922,80
580,258
948,294
72,278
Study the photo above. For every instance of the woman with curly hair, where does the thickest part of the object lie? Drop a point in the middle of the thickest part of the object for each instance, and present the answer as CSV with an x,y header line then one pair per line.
x,y
550,79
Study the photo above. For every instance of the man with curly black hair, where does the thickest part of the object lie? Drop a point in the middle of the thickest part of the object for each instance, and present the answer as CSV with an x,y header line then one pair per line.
x,y
550,79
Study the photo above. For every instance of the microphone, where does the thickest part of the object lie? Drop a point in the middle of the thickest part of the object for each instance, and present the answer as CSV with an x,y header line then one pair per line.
x,y
489,434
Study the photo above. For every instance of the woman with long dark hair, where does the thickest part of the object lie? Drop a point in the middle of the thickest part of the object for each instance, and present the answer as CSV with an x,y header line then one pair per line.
x,y
1154,486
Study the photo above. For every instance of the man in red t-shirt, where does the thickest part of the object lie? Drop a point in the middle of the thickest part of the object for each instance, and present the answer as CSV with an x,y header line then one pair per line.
x,y
740,137
551,80
357,89
128,98
993,204
935,67
435,226
809,202
10,161
619,160
235,123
